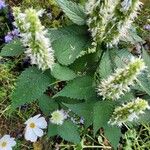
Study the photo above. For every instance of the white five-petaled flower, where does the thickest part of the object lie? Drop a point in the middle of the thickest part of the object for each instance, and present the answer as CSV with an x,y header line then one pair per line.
x,y
7,142
58,117
34,128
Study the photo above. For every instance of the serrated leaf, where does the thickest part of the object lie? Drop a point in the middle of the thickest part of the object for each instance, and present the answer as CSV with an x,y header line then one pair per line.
x,y
14,48
73,11
79,88
102,113
122,57
47,104
63,73
146,58
144,82
71,41
84,64
52,129
132,37
84,110
30,85
113,134
68,131
105,67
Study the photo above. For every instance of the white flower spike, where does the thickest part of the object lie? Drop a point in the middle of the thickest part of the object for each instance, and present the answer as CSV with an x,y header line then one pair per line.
x,y
119,82
34,36
7,142
34,128
129,112
58,117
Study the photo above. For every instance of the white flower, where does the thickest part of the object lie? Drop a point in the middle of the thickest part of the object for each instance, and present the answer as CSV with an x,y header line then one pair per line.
x,y
129,112
119,82
34,36
34,128
6,143
58,117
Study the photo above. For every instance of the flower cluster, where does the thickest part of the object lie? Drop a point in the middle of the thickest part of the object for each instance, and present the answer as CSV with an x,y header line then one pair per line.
x,y
128,112
34,37
7,142
119,82
99,14
11,35
109,21
58,117
2,4
129,10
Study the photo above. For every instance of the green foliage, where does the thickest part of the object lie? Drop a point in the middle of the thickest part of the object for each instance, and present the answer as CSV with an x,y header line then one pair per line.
x,y
62,73
14,48
73,11
79,88
47,104
146,58
67,131
76,71
70,42
82,111
30,85
101,116
105,67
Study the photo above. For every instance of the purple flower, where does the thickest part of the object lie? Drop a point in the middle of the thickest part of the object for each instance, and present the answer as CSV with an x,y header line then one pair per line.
x,y
147,27
11,35
82,120
8,38
15,32
2,4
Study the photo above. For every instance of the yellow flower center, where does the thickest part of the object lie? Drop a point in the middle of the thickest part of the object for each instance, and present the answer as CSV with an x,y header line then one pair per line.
x,y
32,125
4,144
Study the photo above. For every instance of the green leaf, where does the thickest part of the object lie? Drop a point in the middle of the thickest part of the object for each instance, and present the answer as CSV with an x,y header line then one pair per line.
x,y
113,134
47,104
144,82
14,48
102,113
71,41
68,131
63,73
146,58
105,67
73,11
84,110
30,85
85,64
52,129
122,57
79,88
132,37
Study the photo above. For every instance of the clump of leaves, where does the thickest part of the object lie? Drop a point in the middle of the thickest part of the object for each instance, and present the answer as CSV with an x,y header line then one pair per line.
x,y
80,71
137,138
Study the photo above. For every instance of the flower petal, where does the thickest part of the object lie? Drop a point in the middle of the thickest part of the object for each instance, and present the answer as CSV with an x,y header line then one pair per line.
x,y
32,119
30,135
38,132
7,148
41,123
12,142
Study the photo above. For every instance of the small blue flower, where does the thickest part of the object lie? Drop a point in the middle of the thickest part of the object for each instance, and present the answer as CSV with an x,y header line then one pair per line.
x,y
8,38
147,27
82,120
15,32
2,4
